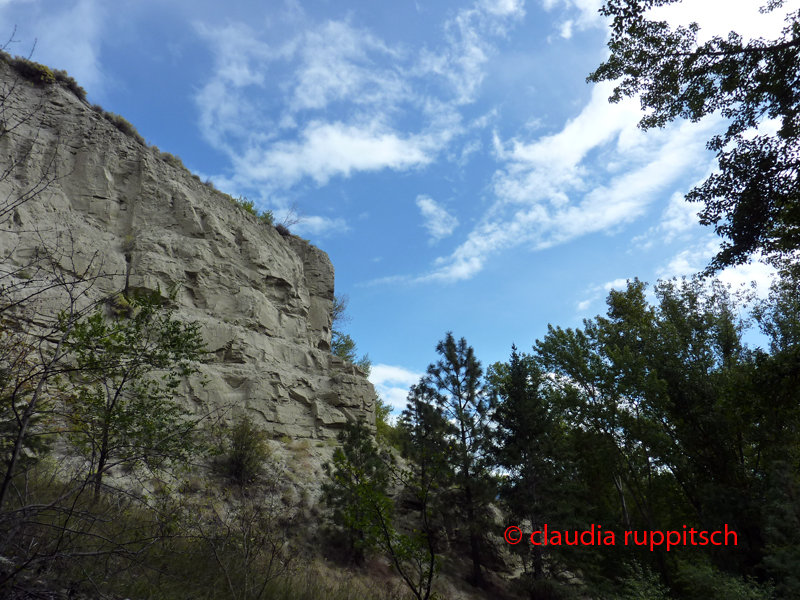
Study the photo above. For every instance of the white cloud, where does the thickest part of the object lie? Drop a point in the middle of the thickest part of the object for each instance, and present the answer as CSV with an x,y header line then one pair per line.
x,y
504,8
617,284
586,10
468,48
691,260
468,150
439,223
319,226
677,221
715,17
334,66
743,275
597,291
328,149
393,383
718,17
697,257
549,193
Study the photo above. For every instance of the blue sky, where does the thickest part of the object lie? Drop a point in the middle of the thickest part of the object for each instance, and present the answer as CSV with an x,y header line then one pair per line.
x,y
449,156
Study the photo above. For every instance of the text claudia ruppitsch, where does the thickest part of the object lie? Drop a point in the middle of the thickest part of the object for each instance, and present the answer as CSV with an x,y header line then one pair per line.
x,y
595,536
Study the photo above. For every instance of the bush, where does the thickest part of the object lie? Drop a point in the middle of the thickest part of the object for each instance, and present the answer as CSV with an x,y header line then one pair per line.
x,y
246,205
282,230
171,160
245,452
123,125
32,71
266,217
70,84
250,207
39,73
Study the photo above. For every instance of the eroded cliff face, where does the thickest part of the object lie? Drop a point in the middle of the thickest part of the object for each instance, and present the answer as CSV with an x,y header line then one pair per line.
x,y
263,300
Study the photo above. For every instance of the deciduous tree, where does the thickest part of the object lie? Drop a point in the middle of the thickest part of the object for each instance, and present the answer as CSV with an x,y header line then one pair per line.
x,y
754,199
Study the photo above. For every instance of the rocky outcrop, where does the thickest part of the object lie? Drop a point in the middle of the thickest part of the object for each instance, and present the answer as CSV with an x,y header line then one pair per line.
x,y
114,206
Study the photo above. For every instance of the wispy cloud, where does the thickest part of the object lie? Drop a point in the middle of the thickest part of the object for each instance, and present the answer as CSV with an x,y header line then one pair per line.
x,y
585,14
320,226
340,93
439,223
696,257
598,291
678,220
549,192
338,62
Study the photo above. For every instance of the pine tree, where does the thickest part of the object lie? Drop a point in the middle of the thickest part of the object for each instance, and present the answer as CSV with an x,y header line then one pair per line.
x,y
456,378
357,490
523,443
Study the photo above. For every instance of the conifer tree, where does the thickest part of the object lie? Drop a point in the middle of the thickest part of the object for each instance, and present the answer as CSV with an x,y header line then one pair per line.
x,y
523,436
457,380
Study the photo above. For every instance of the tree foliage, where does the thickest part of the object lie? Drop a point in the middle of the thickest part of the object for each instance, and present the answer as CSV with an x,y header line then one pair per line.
x,y
342,345
456,379
127,370
754,199
674,421
357,491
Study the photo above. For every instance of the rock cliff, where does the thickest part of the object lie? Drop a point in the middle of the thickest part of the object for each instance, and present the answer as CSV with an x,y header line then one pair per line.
x,y
263,300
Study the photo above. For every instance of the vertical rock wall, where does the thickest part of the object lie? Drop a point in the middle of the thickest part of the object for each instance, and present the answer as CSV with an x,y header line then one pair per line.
x,y
113,206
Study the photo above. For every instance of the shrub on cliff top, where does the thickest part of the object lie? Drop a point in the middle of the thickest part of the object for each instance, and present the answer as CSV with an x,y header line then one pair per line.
x,y
42,74
123,125
30,70
70,83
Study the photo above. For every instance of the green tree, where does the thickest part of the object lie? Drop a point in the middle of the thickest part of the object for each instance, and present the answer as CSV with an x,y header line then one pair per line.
x,y
342,345
357,492
385,431
754,199
127,370
524,436
244,452
687,425
457,380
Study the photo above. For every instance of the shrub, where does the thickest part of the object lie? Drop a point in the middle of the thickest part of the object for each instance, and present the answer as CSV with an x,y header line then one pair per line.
x,y
250,207
171,160
246,205
32,71
246,450
70,84
123,125
266,217
282,230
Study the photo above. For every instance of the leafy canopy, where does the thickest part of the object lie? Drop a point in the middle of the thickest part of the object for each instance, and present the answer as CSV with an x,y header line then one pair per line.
x,y
128,369
753,201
